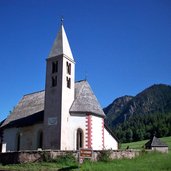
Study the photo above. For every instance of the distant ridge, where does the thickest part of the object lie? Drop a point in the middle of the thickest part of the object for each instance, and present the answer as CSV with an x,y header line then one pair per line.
x,y
150,103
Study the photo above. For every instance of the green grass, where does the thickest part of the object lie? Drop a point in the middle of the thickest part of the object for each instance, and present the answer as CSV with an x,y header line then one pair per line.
x,y
66,161
32,166
167,140
133,145
145,162
42,166
139,144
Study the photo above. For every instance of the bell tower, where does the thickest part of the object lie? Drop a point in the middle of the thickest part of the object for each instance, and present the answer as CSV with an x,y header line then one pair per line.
x,y
59,93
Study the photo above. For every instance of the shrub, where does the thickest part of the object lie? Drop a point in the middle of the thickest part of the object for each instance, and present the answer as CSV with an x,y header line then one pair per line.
x,y
67,159
104,155
45,156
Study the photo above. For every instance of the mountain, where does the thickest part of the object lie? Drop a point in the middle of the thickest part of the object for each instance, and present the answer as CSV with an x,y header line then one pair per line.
x,y
150,104
114,110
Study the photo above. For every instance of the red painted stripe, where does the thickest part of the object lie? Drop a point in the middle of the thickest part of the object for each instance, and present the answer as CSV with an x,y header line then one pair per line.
x,y
86,136
103,133
89,131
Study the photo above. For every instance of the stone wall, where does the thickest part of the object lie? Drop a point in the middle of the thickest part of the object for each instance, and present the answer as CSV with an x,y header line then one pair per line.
x,y
119,154
37,156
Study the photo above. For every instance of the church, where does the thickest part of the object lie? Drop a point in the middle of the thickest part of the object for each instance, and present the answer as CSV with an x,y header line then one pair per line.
x,y
65,116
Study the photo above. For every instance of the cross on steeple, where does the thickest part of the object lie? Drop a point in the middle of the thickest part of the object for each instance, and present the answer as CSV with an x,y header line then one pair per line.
x,y
62,20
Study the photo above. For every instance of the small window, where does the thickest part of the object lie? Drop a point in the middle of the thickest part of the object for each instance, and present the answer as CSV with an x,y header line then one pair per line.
x,y
0,142
79,138
68,68
54,81
39,139
18,139
68,82
55,67
0,147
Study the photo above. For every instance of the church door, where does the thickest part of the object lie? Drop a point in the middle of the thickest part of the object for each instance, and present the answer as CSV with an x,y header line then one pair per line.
x,y
79,139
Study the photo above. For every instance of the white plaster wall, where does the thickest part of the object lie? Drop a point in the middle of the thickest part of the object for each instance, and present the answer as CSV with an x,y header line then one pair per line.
x,y
161,149
97,133
74,123
52,108
9,137
28,137
67,100
109,141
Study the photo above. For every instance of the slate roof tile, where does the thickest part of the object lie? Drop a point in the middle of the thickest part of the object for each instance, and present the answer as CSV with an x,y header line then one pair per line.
x,y
85,100
155,142
30,109
30,104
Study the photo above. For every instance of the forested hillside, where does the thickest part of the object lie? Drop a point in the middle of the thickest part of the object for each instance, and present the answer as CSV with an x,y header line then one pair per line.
x,y
137,118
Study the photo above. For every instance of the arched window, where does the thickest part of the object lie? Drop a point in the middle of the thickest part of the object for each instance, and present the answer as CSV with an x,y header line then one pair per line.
x,y
39,139
0,144
79,138
18,141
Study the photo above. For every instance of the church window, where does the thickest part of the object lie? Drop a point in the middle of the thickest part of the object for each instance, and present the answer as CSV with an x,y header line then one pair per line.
x,y
68,82
54,81
0,143
79,138
18,139
39,139
55,67
68,65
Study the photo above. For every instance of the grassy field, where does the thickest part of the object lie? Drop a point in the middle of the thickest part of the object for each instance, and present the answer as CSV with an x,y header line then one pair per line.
x,y
139,144
145,162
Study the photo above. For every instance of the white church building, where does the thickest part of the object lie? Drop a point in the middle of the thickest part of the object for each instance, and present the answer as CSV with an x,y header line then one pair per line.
x,y
66,116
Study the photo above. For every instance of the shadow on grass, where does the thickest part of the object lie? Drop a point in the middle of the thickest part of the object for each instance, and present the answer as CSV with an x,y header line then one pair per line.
x,y
68,168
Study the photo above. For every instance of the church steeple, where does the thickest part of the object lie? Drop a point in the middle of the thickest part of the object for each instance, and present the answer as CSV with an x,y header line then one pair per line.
x,y
59,93
61,45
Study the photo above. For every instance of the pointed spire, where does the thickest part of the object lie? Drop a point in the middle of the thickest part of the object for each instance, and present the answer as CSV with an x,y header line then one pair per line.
x,y
61,45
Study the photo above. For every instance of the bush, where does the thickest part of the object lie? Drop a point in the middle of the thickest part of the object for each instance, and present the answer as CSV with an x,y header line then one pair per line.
x,y
45,156
105,155
66,159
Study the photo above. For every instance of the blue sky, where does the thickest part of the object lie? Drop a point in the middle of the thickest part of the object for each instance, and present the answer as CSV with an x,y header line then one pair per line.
x,y
121,46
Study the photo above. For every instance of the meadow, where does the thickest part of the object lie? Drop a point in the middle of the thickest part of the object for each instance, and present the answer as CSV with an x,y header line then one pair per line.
x,y
139,144
145,162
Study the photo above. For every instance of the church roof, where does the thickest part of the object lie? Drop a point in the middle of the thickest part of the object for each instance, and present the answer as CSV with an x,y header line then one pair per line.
x,y
85,100
61,45
155,142
29,105
30,109
2,122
